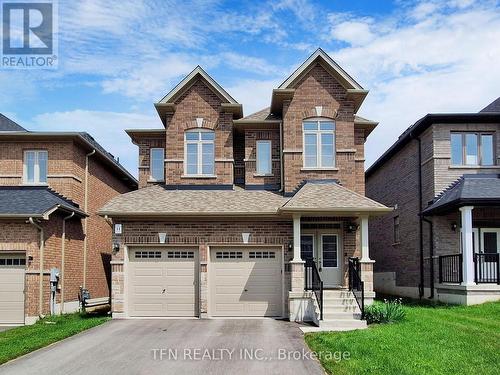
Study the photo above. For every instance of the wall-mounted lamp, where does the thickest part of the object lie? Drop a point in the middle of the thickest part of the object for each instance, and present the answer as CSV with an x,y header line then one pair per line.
x,y
116,247
351,227
454,227
30,259
290,245
162,237
245,237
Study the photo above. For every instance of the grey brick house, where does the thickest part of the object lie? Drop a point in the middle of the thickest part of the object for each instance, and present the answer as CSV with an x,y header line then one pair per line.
x,y
249,216
442,241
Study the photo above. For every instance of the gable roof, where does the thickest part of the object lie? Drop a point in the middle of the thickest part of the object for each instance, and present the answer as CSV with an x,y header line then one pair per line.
x,y
470,189
166,104
285,91
494,107
262,116
34,201
7,125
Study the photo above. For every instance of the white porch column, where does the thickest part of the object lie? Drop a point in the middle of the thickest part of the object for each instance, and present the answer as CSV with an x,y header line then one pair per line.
x,y
296,239
365,252
467,245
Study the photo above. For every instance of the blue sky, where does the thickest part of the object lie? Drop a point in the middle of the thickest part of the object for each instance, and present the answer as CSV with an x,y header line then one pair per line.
x,y
118,57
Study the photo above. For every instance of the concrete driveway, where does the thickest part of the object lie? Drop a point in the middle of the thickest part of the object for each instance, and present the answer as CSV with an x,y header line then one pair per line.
x,y
258,346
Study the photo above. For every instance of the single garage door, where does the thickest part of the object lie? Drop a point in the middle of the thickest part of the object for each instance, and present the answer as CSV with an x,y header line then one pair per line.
x,y
12,288
162,282
245,282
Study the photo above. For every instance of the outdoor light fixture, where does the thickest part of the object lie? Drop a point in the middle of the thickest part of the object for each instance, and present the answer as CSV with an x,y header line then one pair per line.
x,y
162,237
246,237
116,247
351,227
454,227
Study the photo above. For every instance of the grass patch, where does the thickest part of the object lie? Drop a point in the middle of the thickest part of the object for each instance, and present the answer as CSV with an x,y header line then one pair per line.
x,y
22,340
431,340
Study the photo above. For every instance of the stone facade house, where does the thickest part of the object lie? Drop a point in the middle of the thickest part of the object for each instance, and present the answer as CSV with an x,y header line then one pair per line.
x,y
249,216
442,241
51,186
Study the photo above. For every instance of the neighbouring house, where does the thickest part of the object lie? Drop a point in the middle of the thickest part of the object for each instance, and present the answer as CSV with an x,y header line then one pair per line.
x,y
442,241
51,186
249,216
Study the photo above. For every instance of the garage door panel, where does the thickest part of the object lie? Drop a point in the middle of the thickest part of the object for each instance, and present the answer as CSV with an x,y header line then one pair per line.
x,y
12,291
163,283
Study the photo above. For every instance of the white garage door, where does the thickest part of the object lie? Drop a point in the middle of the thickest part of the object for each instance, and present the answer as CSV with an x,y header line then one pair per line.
x,y
245,282
12,288
162,282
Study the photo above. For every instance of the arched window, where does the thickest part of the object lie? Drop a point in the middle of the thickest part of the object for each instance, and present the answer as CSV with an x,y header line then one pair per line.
x,y
319,143
199,152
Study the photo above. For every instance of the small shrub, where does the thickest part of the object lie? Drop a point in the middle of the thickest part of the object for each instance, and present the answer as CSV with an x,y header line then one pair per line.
x,y
387,312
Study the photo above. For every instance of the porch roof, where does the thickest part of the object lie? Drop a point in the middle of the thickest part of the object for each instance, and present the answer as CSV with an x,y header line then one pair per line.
x,y
470,189
327,196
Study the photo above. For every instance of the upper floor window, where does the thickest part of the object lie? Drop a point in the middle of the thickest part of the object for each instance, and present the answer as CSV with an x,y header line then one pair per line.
x,y
396,236
199,152
472,149
319,143
35,167
264,157
157,166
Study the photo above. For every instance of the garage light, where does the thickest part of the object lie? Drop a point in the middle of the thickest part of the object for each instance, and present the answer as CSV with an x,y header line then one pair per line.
x,y
246,237
162,237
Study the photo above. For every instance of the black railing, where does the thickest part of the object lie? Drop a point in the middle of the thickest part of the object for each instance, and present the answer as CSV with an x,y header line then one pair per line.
x,y
487,268
314,283
450,268
356,285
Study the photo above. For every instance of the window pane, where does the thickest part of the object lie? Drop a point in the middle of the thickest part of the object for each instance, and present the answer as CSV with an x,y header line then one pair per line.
x,y
157,170
326,125
456,149
308,125
42,165
207,136
306,247
30,166
329,251
310,150
264,157
327,150
208,158
192,136
487,149
192,158
471,149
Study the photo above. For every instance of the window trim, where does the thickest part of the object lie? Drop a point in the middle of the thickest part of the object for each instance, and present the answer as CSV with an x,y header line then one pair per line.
x,y
151,178
318,133
36,167
396,229
479,135
199,150
264,141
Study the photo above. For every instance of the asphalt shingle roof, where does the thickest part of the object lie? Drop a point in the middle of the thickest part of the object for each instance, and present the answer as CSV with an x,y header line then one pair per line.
x,y
493,107
7,125
35,201
262,115
474,189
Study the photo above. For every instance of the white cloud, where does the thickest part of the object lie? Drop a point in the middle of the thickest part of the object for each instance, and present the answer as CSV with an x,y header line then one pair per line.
x,y
107,128
253,94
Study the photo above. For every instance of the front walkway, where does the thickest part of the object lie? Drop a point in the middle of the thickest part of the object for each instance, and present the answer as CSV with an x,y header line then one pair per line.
x,y
134,346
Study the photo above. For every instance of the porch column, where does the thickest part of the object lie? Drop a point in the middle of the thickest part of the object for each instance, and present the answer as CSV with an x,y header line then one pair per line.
x,y
296,239
297,264
467,245
365,250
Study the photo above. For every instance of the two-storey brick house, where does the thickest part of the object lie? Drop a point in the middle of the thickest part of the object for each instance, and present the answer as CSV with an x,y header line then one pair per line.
x,y
443,238
246,216
51,186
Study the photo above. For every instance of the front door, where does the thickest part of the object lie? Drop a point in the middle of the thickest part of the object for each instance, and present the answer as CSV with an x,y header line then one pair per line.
x,y
324,248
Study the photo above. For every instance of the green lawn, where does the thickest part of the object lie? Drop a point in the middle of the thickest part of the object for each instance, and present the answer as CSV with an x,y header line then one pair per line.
x,y
22,340
431,340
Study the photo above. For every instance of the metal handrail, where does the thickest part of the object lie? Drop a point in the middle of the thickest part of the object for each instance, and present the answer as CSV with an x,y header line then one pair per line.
x,y
314,283
451,268
356,285
487,268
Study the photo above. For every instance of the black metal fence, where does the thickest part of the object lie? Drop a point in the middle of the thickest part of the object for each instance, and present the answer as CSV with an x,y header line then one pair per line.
x,y
356,285
486,268
314,283
450,268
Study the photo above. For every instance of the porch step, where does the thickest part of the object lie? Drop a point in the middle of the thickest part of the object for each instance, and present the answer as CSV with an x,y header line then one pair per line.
x,y
334,308
342,324
337,293
341,315
347,301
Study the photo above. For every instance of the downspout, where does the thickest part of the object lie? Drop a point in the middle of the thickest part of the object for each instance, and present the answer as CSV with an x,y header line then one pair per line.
x,y
282,162
40,276
63,252
85,208
431,255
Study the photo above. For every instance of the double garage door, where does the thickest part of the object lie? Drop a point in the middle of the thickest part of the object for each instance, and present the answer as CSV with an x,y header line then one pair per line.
x,y
242,282
12,273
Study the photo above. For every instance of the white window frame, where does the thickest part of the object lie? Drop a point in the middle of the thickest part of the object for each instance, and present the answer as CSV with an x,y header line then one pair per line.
x,y
318,134
151,164
36,167
270,172
199,143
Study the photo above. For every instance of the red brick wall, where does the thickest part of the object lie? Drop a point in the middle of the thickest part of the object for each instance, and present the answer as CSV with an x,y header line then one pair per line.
x,y
319,88
146,143
251,138
199,101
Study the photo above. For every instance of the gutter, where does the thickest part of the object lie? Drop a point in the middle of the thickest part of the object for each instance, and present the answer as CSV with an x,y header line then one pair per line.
x,y
40,276
85,209
63,252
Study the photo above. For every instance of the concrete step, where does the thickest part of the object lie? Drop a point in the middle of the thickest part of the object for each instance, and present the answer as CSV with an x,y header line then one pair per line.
x,y
337,293
340,301
341,315
342,324
341,308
